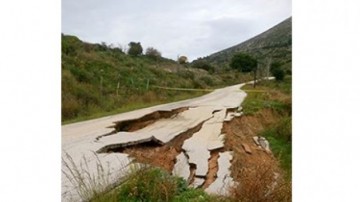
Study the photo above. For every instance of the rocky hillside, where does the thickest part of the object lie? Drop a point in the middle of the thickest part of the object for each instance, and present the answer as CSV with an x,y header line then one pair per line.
x,y
273,45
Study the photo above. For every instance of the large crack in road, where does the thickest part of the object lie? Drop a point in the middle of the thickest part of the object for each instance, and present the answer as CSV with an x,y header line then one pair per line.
x,y
185,138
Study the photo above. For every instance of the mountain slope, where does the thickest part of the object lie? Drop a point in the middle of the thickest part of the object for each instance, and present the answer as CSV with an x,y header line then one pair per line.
x,y
273,45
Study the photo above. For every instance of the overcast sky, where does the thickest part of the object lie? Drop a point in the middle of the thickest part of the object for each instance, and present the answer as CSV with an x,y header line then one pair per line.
x,y
194,28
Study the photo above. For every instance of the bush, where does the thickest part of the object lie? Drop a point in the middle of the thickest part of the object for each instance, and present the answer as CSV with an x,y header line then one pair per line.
x,y
153,53
243,62
277,71
135,49
201,64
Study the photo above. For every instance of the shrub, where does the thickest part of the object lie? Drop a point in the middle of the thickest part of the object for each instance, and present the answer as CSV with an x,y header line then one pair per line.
x,y
277,71
201,64
135,49
243,62
153,53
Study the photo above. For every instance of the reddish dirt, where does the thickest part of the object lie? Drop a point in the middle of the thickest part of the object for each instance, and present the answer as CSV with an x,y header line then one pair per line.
x,y
163,156
255,171
213,168
137,124
256,168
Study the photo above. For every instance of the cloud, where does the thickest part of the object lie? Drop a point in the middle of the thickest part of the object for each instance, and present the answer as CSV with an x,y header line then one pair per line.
x,y
191,28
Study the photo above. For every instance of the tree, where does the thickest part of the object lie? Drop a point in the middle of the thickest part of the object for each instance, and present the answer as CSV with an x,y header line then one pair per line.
x,y
244,63
135,49
277,71
182,59
202,64
153,53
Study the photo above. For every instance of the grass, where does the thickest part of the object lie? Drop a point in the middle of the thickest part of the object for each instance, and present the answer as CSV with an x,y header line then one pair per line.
x,y
133,106
262,186
276,96
270,94
91,184
99,80
279,137
134,182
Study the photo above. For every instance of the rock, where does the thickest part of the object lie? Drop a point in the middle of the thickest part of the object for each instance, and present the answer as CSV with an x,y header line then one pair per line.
x,y
256,140
238,114
264,144
246,148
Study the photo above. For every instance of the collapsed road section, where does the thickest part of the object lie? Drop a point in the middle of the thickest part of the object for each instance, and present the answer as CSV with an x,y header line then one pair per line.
x,y
183,137
185,145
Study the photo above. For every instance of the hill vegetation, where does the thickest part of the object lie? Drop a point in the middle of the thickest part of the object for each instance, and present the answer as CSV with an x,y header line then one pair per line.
x,y
99,79
273,45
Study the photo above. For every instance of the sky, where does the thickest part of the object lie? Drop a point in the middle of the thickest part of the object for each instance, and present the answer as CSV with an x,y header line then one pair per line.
x,y
187,27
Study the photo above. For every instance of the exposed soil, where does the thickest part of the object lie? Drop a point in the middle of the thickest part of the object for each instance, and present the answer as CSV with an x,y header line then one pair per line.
x,y
250,164
137,124
211,175
257,167
153,153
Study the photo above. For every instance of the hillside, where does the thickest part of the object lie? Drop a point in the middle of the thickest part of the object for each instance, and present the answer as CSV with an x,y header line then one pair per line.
x,y
273,45
98,79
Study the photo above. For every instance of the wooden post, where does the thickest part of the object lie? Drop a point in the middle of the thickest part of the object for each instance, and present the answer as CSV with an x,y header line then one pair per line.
x,y
117,88
147,84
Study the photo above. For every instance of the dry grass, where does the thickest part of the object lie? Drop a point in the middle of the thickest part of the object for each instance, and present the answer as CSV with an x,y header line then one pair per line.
x,y
87,184
262,184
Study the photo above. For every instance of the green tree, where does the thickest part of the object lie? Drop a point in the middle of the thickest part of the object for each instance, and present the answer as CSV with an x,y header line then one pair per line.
x,y
153,53
277,71
244,63
135,49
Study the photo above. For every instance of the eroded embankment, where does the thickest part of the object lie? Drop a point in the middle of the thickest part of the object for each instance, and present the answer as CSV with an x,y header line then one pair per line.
x,y
253,167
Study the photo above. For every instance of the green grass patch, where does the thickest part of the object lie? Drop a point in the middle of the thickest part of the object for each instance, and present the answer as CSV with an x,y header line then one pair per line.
x,y
154,184
279,137
264,96
134,106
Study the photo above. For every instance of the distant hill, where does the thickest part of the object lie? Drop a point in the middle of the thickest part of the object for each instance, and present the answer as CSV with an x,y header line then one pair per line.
x,y
273,45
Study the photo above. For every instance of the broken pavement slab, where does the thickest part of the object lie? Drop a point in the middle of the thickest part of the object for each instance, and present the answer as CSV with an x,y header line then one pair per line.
x,y
161,131
182,167
196,147
223,181
197,182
